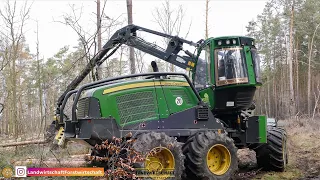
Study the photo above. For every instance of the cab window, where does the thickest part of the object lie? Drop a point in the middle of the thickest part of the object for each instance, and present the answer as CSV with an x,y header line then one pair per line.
x,y
230,66
202,74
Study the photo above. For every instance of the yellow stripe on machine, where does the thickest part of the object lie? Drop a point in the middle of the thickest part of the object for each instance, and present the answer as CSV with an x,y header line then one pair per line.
x,y
145,84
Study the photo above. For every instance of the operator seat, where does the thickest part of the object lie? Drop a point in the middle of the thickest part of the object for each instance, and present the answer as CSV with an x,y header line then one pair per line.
x,y
230,68
221,69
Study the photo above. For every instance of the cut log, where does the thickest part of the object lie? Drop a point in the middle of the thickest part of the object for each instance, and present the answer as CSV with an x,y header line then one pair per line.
x,y
52,163
73,161
22,143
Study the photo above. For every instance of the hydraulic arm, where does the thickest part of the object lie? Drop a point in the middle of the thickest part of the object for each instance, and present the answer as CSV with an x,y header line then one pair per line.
x,y
128,36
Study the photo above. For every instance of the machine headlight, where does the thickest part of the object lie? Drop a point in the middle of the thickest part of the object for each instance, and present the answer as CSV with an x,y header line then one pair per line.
x,y
219,43
234,41
227,41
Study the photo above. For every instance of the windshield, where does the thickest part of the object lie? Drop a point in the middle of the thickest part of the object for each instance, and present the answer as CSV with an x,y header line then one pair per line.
x,y
230,66
256,64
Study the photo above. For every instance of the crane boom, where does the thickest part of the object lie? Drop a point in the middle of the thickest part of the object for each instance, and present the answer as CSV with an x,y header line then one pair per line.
x,y
128,36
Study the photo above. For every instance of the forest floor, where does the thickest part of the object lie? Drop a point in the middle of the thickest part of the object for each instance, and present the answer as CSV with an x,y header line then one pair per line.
x,y
304,153
303,146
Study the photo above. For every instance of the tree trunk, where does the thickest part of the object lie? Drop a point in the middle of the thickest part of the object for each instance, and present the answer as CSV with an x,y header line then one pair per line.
x,y
207,14
269,95
131,50
290,57
99,69
23,143
99,25
71,161
207,30
120,61
309,70
14,96
39,81
297,77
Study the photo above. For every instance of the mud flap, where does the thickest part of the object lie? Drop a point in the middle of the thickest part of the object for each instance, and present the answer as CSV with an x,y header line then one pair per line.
x,y
257,129
70,130
83,131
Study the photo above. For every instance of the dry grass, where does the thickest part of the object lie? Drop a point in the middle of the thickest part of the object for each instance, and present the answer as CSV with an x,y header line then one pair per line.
x,y
304,150
304,145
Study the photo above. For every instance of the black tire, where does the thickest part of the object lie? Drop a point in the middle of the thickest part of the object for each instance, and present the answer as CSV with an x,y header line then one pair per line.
x,y
195,150
147,141
273,156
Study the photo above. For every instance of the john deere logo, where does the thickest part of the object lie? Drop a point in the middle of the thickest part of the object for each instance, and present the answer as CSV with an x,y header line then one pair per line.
x,y
179,101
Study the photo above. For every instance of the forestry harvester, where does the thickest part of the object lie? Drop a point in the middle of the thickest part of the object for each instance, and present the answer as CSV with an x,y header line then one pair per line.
x,y
199,119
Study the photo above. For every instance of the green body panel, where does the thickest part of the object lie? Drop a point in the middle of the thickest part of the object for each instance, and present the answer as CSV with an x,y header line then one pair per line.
x,y
162,103
251,74
151,100
186,94
239,85
109,105
212,64
263,129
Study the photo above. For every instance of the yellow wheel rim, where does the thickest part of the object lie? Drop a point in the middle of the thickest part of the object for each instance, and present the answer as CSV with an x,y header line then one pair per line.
x,y
159,159
218,159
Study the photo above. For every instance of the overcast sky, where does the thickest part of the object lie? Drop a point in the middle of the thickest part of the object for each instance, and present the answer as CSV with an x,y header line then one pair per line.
x,y
227,17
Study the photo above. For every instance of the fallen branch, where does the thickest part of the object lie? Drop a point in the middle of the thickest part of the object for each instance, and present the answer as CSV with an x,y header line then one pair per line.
x,y
22,143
